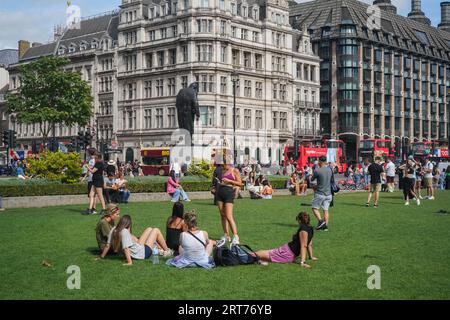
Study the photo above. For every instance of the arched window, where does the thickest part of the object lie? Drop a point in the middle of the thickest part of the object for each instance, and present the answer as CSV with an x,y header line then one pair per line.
x,y
129,155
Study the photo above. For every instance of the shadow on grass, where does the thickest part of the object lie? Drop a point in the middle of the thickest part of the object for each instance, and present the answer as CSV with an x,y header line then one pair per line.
x,y
95,252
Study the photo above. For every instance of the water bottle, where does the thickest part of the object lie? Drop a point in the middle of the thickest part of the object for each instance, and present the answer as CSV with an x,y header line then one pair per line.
x,y
155,255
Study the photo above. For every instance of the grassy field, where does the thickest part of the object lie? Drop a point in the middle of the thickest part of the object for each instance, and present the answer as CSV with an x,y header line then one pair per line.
x,y
409,244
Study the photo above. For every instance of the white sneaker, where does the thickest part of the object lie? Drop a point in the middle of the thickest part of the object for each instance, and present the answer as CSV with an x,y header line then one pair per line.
x,y
168,253
407,204
235,241
418,202
431,198
421,198
221,242
263,263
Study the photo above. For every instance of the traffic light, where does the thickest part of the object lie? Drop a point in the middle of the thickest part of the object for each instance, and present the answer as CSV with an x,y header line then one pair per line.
x,y
80,139
6,137
13,139
87,139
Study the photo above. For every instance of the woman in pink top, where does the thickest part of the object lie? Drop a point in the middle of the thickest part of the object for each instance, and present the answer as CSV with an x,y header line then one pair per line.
x,y
174,188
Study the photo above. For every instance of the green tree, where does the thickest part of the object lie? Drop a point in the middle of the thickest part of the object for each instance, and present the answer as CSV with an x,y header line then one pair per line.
x,y
49,95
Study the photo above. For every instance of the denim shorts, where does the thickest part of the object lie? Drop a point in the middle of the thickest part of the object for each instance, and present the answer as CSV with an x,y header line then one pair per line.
x,y
322,201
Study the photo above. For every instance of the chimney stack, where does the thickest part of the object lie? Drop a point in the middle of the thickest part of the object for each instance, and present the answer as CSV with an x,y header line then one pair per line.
x,y
417,14
445,16
36,44
23,47
386,5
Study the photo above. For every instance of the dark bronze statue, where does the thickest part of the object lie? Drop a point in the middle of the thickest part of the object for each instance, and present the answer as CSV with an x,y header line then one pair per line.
x,y
187,108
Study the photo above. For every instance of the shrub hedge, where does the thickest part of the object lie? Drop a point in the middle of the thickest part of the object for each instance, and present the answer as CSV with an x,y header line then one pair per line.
x,y
31,188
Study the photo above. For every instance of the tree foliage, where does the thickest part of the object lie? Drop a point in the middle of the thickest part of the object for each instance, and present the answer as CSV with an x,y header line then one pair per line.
x,y
57,166
49,95
201,168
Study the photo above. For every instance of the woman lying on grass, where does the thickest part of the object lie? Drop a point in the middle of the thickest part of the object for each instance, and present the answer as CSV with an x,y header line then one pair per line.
x,y
300,245
134,248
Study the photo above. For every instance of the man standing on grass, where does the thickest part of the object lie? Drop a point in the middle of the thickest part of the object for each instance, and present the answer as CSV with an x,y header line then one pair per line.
x,y
390,175
375,171
322,196
428,168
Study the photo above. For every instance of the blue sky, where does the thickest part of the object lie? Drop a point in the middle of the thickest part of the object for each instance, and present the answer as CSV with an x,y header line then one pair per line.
x,y
33,20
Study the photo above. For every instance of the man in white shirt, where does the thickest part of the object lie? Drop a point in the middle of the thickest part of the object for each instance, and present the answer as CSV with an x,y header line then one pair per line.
x,y
390,175
175,166
428,178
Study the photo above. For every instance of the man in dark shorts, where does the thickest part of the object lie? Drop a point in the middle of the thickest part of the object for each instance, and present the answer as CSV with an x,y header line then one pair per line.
x,y
375,171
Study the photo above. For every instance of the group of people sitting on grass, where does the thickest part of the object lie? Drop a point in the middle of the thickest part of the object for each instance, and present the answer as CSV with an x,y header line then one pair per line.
x,y
186,243
106,182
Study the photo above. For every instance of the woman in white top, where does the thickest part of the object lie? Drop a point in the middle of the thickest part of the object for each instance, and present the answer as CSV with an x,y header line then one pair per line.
x,y
195,246
134,248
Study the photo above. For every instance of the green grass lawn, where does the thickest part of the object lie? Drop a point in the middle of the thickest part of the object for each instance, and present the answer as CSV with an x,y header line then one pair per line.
x,y
409,244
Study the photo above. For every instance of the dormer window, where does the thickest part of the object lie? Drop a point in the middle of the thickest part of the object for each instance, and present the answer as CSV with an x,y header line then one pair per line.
x,y
94,44
83,46
72,48
152,13
61,50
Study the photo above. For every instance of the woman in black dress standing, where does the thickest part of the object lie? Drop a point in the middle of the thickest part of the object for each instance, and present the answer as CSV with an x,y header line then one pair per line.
x,y
97,184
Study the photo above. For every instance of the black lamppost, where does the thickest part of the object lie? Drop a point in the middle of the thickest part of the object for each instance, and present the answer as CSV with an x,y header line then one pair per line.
x,y
97,115
234,79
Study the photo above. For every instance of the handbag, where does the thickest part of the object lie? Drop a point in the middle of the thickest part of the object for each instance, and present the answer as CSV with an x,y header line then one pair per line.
x,y
334,187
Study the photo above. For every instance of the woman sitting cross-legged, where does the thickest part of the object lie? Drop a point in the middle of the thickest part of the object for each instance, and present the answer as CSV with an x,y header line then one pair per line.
x,y
121,237
301,245
174,188
195,246
175,226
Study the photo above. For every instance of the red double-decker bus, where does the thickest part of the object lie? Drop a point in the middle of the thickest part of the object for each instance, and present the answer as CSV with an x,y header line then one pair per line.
x,y
372,148
333,150
155,161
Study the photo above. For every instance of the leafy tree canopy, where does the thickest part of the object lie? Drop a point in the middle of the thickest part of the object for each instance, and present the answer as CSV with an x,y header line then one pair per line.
x,y
49,95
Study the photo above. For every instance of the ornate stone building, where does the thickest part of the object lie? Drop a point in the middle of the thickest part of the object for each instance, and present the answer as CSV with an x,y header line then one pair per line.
x,y
140,57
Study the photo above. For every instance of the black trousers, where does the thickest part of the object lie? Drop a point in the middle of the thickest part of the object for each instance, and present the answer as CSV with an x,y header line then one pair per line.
x,y
408,186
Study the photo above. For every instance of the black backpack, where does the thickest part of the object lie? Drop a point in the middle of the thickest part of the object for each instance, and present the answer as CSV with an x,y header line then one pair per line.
x,y
237,255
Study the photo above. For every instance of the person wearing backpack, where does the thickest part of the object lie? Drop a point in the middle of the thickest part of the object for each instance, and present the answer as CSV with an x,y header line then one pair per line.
x,y
195,246
300,246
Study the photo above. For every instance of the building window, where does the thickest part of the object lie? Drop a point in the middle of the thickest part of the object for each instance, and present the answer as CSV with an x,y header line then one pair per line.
x,y
159,88
283,120
207,116
148,89
206,82
172,56
184,82
258,90
235,57
283,92
247,89
184,52
151,35
160,55
247,118
258,61
204,53
148,118
275,120
171,117
159,118
149,60
204,25
223,54
223,117
275,91
259,119
223,85
171,86
247,59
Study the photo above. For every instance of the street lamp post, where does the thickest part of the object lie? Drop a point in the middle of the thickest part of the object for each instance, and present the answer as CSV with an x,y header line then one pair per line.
x,y
234,79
